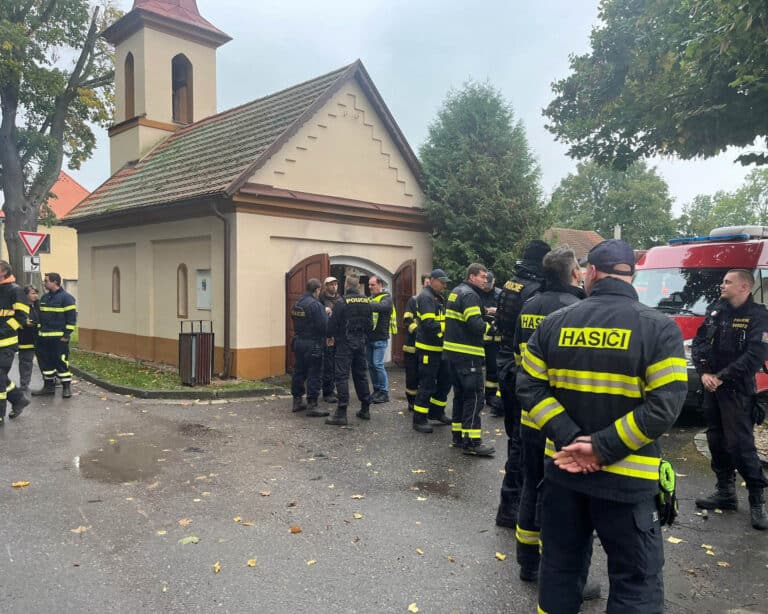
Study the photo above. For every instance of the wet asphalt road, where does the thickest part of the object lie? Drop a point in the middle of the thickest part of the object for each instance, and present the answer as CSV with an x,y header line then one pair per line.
x,y
98,528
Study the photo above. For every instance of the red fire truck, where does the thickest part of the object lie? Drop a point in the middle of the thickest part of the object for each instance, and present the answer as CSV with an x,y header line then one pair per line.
x,y
682,279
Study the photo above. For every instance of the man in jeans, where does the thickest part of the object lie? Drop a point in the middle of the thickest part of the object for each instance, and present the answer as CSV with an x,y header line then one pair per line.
x,y
378,337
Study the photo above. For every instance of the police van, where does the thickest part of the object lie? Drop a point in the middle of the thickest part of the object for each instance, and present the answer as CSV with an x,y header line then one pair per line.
x,y
683,278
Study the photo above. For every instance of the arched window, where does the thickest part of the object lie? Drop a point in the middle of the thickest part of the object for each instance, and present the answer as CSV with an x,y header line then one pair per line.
x,y
116,290
181,78
182,292
130,107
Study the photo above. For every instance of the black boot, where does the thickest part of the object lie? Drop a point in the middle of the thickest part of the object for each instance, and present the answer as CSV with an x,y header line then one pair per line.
x,y
420,423
19,401
724,497
66,390
48,389
299,404
339,417
365,412
757,510
313,411
479,449
440,418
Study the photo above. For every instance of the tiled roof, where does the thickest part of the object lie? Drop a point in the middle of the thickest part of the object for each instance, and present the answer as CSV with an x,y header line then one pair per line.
x,y
580,241
181,10
210,156
67,192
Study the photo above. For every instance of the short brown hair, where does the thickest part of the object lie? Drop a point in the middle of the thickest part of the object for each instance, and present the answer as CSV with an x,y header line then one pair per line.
x,y
475,268
744,275
558,264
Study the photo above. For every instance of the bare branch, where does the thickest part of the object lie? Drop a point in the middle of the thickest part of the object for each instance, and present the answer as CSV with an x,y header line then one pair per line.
x,y
100,81
44,17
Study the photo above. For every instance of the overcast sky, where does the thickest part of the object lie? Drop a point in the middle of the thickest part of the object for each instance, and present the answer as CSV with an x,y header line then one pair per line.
x,y
415,52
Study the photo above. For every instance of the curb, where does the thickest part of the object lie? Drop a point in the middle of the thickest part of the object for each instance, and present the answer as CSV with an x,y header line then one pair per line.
x,y
700,441
192,393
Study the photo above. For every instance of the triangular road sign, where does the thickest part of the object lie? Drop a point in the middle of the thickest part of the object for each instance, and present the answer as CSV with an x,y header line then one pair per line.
x,y
32,240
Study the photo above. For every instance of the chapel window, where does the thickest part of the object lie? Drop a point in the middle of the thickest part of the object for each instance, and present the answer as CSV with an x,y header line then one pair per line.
x,y
130,107
116,290
181,78
182,292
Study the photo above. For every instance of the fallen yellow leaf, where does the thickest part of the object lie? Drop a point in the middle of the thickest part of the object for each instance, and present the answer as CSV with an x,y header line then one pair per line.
x,y
419,551
246,524
295,529
501,556
161,532
709,552
80,530
265,493
112,441
421,498
237,519
251,562
216,567
413,608
185,522
723,563
707,546
675,540
451,559
418,470
357,497
312,562
22,484
357,516
197,500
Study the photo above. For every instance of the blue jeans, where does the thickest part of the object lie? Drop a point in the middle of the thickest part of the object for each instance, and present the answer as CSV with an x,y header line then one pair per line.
x,y
376,351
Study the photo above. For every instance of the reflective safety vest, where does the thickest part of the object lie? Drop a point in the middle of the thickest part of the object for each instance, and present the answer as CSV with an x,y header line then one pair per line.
x,y
14,311
58,314
464,323
384,324
430,308
613,369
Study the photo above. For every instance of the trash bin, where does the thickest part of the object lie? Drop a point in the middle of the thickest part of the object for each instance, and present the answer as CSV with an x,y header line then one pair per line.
x,y
196,352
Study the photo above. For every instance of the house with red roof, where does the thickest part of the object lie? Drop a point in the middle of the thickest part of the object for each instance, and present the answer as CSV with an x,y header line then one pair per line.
x,y
224,216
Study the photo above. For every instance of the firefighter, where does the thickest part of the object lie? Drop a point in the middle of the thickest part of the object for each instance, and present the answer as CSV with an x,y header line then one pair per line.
x,y
384,324
309,326
347,329
463,345
562,287
434,373
603,379
329,297
410,364
28,338
490,297
730,347
58,319
524,284
14,311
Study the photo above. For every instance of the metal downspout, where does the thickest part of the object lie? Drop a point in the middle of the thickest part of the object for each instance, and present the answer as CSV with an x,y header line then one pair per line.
x,y
227,289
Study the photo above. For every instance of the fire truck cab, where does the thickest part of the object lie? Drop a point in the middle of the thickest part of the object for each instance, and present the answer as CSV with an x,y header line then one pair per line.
x,y
682,279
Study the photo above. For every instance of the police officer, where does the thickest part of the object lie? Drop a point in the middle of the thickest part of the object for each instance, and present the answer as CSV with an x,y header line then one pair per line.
x,y
329,297
58,319
309,326
730,347
562,287
347,329
434,373
526,282
603,379
13,316
463,345
410,364
489,297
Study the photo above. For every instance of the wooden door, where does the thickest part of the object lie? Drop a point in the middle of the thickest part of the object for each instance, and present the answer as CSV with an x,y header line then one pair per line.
x,y
403,288
296,279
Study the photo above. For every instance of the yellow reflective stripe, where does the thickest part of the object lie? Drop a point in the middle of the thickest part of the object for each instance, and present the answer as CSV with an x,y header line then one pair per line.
x,y
487,338
21,307
518,360
489,384
461,348
549,448
540,610
431,348
545,410
27,347
4,313
437,402
426,316
413,326
474,310
70,326
456,427
409,349
411,391
472,433
530,538
407,314
420,410
632,465
525,420
53,333
498,393
58,309
13,323
596,382
535,366
664,372
630,433
9,341
454,315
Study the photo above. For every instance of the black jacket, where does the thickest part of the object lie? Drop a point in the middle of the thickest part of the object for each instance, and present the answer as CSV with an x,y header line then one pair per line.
x,y
612,368
309,319
58,314
526,281
411,325
381,308
430,309
350,321
14,311
28,333
464,323
732,344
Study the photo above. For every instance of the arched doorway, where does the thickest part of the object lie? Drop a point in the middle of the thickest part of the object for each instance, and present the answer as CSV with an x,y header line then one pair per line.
x,y
316,266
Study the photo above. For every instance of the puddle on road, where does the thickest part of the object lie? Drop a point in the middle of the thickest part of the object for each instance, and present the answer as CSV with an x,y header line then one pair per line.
x,y
440,488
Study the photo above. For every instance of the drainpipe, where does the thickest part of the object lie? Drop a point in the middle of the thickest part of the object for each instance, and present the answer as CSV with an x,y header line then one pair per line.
x,y
227,289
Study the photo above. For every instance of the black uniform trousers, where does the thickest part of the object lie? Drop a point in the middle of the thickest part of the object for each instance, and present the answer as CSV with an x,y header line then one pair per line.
x,y
630,534
513,479
26,366
411,366
352,358
329,370
491,370
8,390
528,527
731,437
467,381
434,384
308,363
53,356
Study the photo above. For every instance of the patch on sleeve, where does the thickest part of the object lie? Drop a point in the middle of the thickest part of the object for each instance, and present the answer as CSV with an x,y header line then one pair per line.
x,y
765,337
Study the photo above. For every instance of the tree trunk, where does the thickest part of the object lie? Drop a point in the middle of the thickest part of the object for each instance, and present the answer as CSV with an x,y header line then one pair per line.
x,y
20,216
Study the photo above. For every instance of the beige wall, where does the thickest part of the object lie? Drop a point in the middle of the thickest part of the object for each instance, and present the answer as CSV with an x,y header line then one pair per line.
x,y
63,256
344,150
268,247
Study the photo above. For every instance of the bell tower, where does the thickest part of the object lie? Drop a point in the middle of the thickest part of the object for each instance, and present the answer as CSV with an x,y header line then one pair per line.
x,y
165,74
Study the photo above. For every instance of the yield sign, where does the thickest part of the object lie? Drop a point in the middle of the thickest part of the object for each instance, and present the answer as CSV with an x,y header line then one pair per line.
x,y
32,240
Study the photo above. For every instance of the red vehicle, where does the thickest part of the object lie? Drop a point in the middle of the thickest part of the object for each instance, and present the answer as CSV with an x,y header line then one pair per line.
x,y
682,279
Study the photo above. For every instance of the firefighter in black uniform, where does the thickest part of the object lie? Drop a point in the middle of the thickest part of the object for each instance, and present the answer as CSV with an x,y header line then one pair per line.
x,y
562,287
410,364
463,345
524,284
490,297
309,326
603,379
28,338
434,373
58,319
731,346
13,316
347,329
329,297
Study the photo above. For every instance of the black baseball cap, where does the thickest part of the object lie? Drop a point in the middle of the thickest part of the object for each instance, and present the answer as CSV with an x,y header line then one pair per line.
x,y
606,256
440,274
